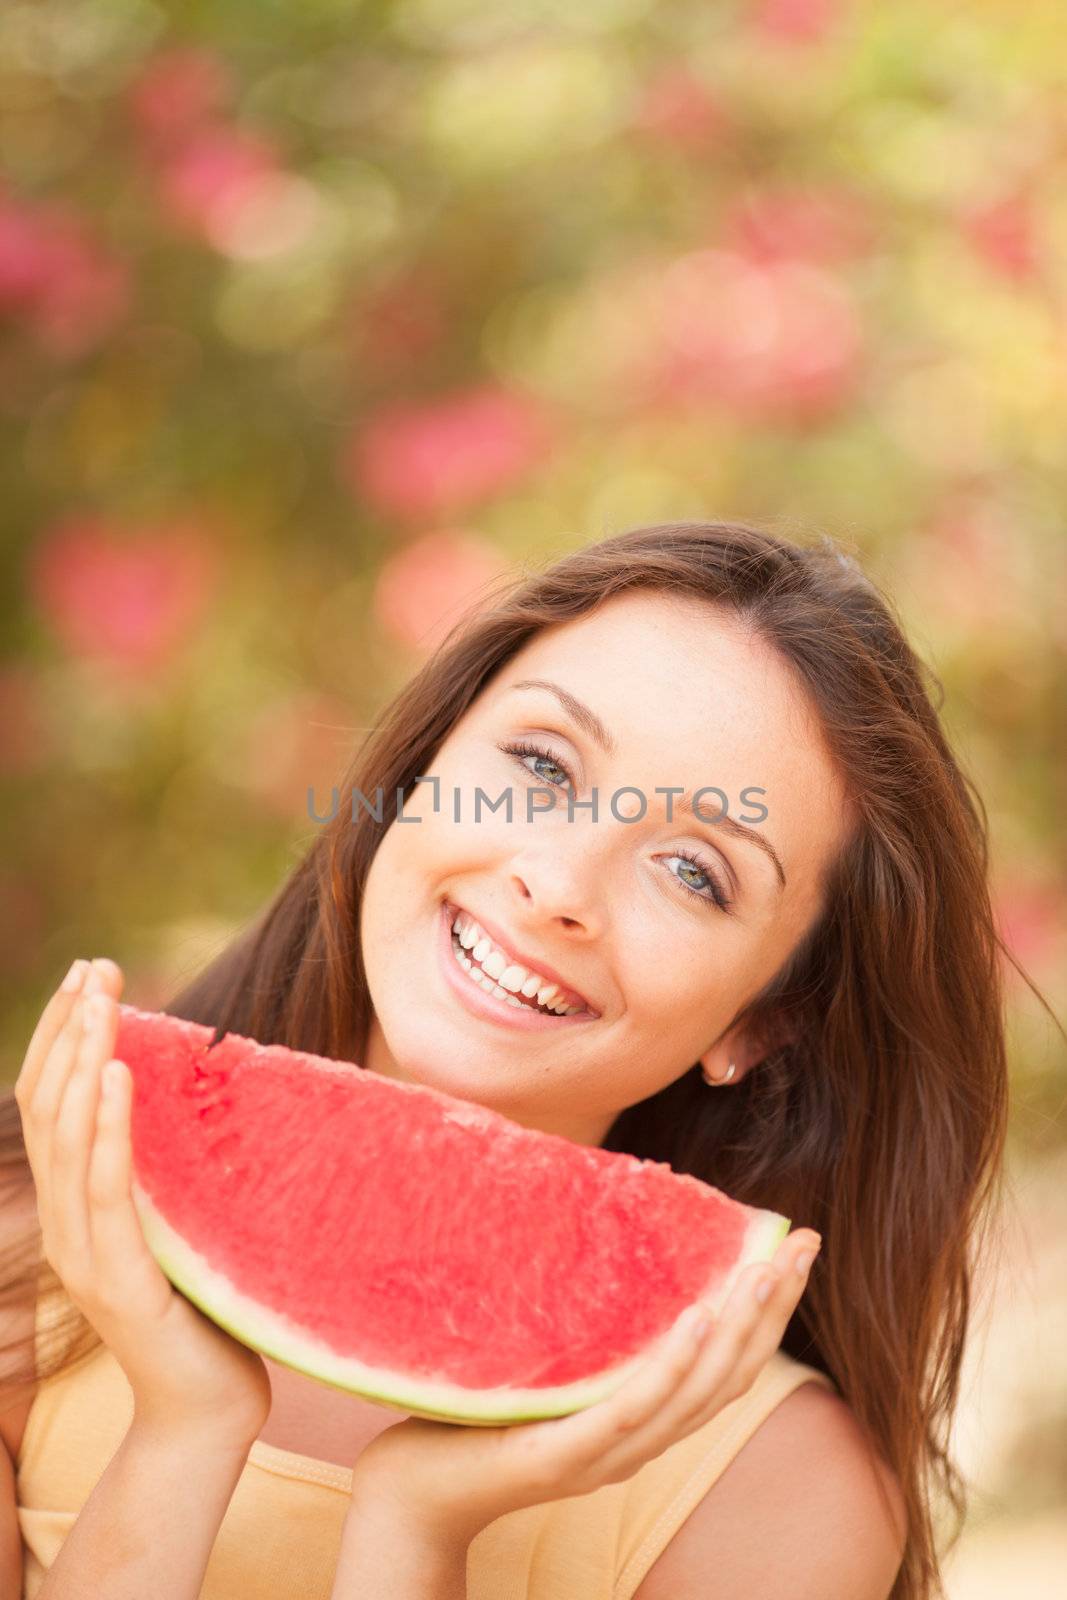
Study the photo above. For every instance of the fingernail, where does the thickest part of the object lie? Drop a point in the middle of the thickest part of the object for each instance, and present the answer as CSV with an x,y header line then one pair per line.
x,y
94,981
765,1288
74,977
804,1261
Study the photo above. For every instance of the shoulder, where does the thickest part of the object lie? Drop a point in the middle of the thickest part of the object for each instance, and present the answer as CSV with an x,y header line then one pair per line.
x,y
801,1513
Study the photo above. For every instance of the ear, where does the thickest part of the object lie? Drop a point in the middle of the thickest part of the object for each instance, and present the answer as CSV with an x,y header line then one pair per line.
x,y
746,1047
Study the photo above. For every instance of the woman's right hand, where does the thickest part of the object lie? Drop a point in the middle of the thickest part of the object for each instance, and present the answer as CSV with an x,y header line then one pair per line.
x,y
183,1369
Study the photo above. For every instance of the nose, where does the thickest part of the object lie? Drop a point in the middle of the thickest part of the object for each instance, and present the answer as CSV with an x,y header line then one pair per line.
x,y
558,888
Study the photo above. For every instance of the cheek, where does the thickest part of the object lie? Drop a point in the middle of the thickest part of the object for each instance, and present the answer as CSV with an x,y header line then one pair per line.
x,y
448,845
388,907
669,991
410,847
662,980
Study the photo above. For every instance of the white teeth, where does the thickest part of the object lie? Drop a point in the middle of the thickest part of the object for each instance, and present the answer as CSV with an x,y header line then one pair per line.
x,y
484,981
500,976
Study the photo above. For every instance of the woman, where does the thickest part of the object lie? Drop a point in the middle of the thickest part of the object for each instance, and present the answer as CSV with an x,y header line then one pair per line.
x,y
799,1002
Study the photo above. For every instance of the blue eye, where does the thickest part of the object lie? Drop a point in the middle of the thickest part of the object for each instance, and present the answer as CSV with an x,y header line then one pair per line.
x,y
718,893
715,894
521,748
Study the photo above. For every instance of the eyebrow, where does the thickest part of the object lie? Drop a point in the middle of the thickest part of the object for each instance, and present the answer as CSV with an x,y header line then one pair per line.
x,y
587,719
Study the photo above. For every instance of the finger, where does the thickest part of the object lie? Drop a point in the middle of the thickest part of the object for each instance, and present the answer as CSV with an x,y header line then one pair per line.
x,y
747,1306
40,1110
758,1332
701,1384
755,1296
47,1030
587,1437
647,1393
51,1084
119,1250
720,1352
57,1066
692,1392
779,1311
75,1129
106,976
99,979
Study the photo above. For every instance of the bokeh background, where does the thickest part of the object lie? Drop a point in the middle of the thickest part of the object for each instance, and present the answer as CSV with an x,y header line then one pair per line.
x,y
317,316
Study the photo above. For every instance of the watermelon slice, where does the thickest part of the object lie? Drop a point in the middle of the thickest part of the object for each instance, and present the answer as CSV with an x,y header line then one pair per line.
x,y
412,1247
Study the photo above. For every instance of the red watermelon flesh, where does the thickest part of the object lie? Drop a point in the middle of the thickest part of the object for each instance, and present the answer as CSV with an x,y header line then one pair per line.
x,y
409,1246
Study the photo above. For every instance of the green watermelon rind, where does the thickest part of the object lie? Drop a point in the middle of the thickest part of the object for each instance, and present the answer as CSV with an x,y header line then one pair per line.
x,y
280,1338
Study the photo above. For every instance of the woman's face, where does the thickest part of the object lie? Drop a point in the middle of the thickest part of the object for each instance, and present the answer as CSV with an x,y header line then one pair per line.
x,y
688,699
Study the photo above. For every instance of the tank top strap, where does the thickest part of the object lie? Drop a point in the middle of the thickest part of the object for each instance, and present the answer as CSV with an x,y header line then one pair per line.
x,y
663,1493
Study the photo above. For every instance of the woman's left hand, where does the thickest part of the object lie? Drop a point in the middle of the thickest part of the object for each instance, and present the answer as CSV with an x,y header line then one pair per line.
x,y
449,1481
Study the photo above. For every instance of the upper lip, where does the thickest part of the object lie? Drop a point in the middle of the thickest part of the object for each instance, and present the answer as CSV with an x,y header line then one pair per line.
x,y
529,962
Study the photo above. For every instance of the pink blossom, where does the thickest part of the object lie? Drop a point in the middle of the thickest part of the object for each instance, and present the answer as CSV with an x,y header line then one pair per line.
x,y
774,342
675,107
804,223
177,93
795,21
1032,920
424,588
130,598
23,255
216,172
83,293
425,458
67,288
1004,233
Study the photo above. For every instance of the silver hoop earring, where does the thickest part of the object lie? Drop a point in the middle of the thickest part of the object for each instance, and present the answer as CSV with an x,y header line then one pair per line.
x,y
727,1075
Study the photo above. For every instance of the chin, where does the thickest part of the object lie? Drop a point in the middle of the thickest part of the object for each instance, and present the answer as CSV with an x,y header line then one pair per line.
x,y
429,1058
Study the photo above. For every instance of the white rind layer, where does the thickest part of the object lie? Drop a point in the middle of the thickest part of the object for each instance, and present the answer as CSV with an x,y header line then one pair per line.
x,y
765,1233
282,1339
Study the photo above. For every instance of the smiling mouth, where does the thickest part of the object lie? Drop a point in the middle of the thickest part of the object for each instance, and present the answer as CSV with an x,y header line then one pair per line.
x,y
492,967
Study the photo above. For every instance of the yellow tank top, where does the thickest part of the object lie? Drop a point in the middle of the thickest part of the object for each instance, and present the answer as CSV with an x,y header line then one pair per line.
x,y
281,1534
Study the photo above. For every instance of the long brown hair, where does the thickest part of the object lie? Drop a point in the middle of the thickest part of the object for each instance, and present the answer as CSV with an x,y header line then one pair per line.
x,y
881,1123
